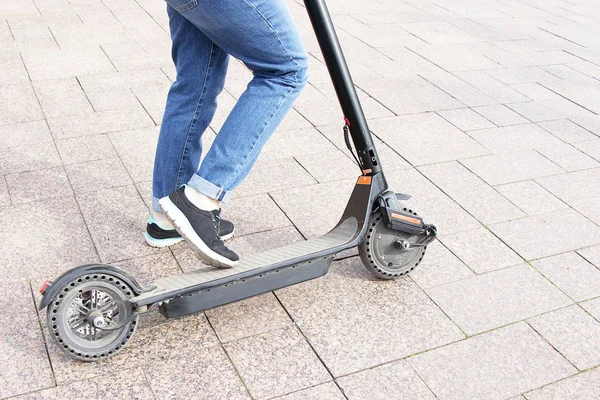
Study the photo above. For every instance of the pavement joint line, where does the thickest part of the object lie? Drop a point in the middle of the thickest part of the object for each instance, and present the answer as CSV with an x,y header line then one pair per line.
x,y
551,345
581,58
144,107
10,29
560,37
54,37
566,98
85,93
287,216
109,59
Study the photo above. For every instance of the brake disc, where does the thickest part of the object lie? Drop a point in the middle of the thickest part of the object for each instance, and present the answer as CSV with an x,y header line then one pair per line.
x,y
381,254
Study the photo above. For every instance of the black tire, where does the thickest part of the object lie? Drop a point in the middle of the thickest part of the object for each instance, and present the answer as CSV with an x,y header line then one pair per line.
x,y
378,245
68,325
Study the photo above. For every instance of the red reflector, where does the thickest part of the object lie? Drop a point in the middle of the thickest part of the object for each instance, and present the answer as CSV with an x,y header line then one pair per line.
x,y
347,121
45,286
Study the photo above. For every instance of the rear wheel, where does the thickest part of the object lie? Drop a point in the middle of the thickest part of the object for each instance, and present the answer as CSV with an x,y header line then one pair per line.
x,y
91,318
381,253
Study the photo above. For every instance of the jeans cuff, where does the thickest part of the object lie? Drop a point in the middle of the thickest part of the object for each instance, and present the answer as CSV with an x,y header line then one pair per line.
x,y
209,189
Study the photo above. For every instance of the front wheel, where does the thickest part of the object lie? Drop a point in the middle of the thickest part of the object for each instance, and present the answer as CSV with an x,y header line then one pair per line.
x,y
382,256
91,318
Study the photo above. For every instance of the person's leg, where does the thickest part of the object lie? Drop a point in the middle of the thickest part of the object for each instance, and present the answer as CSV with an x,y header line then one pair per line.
x,y
201,67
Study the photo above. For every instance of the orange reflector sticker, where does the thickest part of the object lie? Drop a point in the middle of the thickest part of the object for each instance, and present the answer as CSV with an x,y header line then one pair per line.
x,y
364,180
407,219
367,171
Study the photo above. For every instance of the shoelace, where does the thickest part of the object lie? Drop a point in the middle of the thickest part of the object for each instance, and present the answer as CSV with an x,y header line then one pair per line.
x,y
217,222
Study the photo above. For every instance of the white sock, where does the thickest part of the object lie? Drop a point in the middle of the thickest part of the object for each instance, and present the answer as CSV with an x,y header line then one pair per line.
x,y
201,201
162,221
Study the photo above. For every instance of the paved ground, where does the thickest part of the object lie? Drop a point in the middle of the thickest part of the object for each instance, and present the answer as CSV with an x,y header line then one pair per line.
x,y
485,111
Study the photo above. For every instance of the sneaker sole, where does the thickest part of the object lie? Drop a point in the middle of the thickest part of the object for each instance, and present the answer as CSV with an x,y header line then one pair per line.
x,y
152,242
229,236
183,226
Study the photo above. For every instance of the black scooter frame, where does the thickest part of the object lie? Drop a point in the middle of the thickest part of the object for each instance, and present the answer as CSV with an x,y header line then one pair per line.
x,y
196,291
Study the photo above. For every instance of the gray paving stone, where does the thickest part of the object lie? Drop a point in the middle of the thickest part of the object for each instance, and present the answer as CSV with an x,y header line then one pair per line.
x,y
112,99
521,75
154,99
58,232
517,137
318,108
511,167
426,139
574,186
584,386
130,56
466,119
97,175
473,194
481,250
345,314
547,234
127,384
589,122
568,157
455,57
531,197
439,267
592,254
4,195
84,148
592,307
139,160
150,268
23,355
590,147
339,166
496,365
29,157
572,332
438,32
567,130
491,87
297,142
271,175
24,133
500,115
497,298
64,63
540,111
29,186
218,379
575,276
390,381
99,122
254,214
123,237
326,391
248,317
122,80
457,88
18,104
61,97
276,362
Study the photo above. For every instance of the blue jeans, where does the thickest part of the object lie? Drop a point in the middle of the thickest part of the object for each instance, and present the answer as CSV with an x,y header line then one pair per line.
x,y
260,33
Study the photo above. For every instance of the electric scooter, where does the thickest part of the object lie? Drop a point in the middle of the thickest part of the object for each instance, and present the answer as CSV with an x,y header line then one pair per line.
x,y
93,310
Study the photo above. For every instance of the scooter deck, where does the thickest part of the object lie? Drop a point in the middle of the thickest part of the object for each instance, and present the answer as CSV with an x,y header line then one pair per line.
x,y
317,252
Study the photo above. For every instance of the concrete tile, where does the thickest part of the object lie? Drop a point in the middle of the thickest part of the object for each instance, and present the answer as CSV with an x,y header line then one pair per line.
x,y
292,143
122,80
276,362
62,97
4,195
481,250
254,214
218,379
13,76
97,175
112,99
540,111
129,56
248,317
457,88
64,63
439,267
497,298
139,160
590,147
390,381
511,167
438,32
29,157
127,384
18,104
573,333
154,100
491,87
426,139
531,197
318,108
466,119
500,115
326,391
592,307
24,133
473,194
345,314
23,354
85,148
410,96
455,57
517,137
511,76
339,166
568,157
123,238
567,130
574,186
589,122
150,268
583,387
592,254
547,234
575,276
99,122
37,185
496,365
270,175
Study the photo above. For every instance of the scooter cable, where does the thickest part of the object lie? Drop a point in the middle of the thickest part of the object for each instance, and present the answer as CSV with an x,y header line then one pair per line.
x,y
349,145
